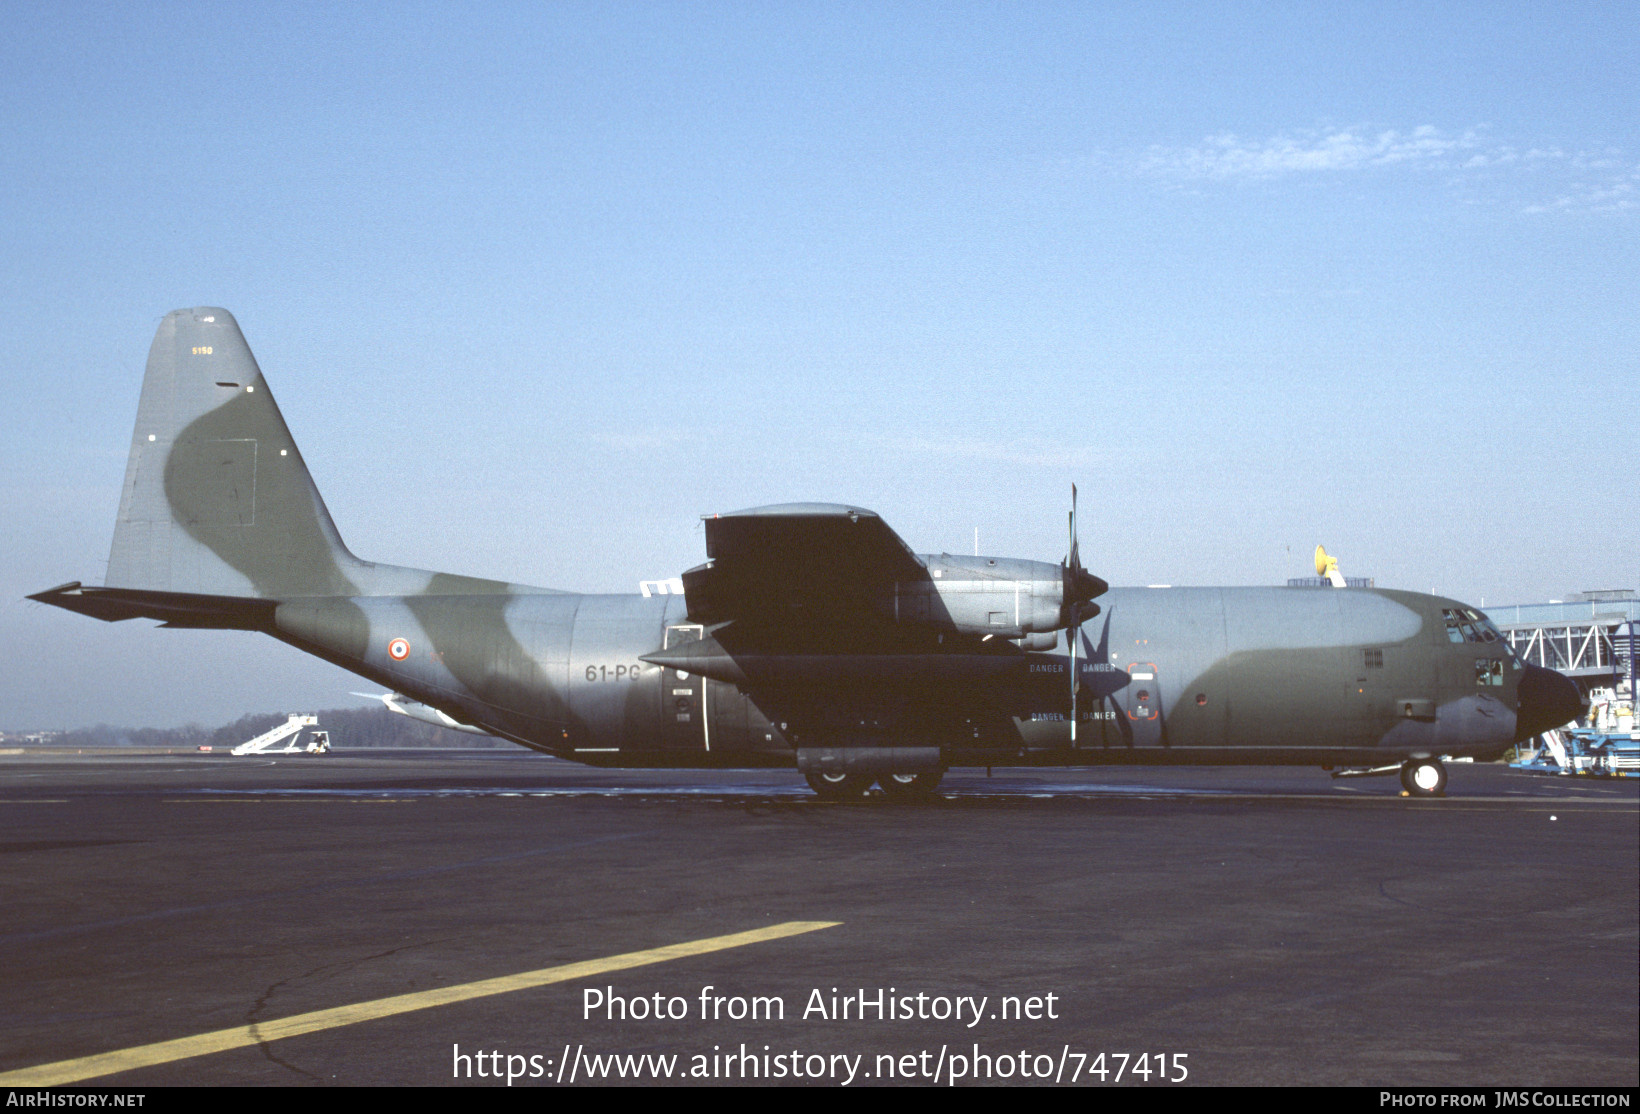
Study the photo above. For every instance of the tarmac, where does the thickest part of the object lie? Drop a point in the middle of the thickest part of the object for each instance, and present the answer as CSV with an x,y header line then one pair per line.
x,y
371,918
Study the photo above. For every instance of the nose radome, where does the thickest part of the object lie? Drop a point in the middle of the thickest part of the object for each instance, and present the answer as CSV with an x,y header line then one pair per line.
x,y
1546,700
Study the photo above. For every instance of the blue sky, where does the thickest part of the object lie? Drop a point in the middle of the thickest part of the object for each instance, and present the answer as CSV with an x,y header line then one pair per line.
x,y
536,286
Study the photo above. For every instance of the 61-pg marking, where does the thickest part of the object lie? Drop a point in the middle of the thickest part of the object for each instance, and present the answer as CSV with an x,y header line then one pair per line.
x,y
613,672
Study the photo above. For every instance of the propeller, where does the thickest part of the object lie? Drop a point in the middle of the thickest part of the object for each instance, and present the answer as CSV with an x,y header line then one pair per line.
x,y
1079,588
1106,680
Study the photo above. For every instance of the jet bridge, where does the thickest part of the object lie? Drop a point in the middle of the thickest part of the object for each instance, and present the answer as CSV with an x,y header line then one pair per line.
x,y
1590,640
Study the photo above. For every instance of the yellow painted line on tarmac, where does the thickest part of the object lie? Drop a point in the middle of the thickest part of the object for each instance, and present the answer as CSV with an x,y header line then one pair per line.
x,y
244,1036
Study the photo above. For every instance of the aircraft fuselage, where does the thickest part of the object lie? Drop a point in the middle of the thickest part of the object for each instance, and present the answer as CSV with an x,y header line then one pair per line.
x,y
1196,675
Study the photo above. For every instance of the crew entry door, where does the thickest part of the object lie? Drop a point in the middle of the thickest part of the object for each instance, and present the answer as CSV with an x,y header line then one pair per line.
x,y
683,699
1143,700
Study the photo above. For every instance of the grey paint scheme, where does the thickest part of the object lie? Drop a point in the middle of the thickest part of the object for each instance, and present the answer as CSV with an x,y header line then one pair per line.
x,y
220,525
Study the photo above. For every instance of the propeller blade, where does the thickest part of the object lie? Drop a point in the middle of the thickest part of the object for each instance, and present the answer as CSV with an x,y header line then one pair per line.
x,y
1101,656
1104,684
1071,637
1079,585
1075,560
1122,724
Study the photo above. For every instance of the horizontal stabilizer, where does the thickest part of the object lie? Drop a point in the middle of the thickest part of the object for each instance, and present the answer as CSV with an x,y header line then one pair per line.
x,y
174,609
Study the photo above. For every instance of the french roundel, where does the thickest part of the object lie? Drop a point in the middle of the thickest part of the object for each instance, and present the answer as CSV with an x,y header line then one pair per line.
x,y
398,649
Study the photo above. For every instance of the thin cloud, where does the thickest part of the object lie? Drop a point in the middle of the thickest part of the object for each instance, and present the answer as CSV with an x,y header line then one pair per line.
x,y
1472,162
1618,195
1228,155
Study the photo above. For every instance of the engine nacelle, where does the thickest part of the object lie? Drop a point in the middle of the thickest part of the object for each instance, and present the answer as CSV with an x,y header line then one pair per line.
x,y
998,596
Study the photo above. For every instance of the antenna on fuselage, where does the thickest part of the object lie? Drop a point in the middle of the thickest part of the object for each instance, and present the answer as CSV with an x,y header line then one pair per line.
x,y
1327,566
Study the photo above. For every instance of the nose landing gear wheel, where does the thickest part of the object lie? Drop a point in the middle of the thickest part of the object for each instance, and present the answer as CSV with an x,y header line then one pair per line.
x,y
911,787
1424,777
838,786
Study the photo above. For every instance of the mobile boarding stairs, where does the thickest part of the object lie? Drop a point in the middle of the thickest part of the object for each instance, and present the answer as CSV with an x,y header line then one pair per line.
x,y
287,733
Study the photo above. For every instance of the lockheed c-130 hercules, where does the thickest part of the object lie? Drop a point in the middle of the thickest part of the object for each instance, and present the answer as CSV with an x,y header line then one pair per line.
x,y
812,636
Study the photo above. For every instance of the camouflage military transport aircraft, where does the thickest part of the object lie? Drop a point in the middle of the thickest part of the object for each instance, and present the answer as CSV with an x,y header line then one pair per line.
x,y
812,636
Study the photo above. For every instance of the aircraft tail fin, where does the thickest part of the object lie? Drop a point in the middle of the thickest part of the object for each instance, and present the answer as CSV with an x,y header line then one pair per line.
x,y
217,500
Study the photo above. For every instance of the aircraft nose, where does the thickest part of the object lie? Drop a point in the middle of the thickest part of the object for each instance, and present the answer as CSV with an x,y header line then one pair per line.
x,y
1546,700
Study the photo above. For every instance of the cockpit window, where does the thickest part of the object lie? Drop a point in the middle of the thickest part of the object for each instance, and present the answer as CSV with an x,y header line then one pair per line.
x,y
1465,624
1454,625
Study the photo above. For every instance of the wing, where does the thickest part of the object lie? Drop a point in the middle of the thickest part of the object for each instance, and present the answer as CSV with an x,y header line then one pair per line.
x,y
804,603
819,562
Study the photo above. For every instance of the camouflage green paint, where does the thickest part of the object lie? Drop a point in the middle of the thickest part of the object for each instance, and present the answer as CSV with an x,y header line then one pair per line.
x,y
232,491
221,525
337,629
472,639
451,584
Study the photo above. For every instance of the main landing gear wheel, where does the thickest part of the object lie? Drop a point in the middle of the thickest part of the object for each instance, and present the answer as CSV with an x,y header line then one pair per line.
x,y
838,786
911,787
1424,777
